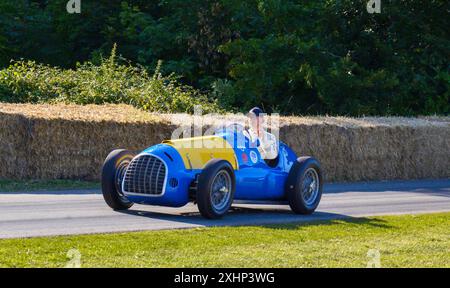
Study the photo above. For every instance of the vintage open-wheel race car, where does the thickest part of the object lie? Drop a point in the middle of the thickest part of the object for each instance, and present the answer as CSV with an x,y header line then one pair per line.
x,y
212,171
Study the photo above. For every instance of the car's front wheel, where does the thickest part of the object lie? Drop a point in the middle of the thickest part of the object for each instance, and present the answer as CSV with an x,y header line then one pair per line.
x,y
215,191
304,185
113,172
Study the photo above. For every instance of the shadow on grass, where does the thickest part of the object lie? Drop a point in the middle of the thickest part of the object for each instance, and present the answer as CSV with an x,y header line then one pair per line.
x,y
63,191
49,187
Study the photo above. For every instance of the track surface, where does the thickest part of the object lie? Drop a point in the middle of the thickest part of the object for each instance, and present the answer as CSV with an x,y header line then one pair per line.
x,y
46,213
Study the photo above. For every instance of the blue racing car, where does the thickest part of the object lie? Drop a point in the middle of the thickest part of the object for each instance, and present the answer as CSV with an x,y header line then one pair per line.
x,y
212,171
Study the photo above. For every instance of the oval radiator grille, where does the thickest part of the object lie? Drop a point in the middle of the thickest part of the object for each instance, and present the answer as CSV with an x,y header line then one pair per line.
x,y
146,174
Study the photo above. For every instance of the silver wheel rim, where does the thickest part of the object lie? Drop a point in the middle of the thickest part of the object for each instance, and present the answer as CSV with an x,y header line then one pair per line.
x,y
310,186
221,190
120,173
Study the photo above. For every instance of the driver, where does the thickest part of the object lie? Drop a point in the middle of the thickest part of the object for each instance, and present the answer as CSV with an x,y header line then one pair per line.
x,y
266,142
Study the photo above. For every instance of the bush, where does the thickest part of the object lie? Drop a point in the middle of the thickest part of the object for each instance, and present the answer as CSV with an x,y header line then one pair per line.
x,y
333,57
109,82
290,56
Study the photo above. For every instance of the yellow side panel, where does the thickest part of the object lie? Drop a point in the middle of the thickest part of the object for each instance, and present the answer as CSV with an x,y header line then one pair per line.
x,y
197,151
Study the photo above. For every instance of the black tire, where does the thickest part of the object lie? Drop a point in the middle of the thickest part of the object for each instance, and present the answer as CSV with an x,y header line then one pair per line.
x,y
296,185
215,167
114,165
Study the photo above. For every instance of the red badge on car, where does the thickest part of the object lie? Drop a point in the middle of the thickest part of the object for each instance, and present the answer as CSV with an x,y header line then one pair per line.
x,y
244,157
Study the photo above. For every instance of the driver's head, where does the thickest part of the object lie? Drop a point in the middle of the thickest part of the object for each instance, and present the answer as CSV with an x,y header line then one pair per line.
x,y
256,116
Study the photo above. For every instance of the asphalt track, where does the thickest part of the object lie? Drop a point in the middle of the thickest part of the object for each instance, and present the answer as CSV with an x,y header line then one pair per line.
x,y
47,213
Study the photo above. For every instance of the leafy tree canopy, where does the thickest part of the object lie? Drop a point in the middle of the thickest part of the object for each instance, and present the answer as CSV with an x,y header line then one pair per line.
x,y
290,56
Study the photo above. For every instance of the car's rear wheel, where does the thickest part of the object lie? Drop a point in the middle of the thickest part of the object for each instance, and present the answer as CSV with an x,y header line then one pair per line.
x,y
304,185
215,191
113,172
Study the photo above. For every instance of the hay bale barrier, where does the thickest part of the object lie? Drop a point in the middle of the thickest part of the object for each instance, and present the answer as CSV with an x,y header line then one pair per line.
x,y
71,142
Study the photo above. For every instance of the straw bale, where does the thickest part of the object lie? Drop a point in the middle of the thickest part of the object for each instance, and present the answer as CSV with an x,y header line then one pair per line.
x,y
70,141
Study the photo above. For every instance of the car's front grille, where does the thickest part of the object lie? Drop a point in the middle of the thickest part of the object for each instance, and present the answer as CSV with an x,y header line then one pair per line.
x,y
146,174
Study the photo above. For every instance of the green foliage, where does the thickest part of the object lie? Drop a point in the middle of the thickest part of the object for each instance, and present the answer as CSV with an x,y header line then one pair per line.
x,y
7,185
292,56
27,31
402,240
336,58
109,82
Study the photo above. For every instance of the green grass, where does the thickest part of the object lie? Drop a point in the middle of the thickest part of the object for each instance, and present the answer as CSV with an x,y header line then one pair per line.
x,y
34,185
402,241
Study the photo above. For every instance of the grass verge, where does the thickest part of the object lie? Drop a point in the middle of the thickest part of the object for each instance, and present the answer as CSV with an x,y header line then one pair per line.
x,y
34,185
402,241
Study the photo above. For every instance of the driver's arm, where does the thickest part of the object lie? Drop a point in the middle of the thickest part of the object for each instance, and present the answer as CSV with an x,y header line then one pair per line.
x,y
269,146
